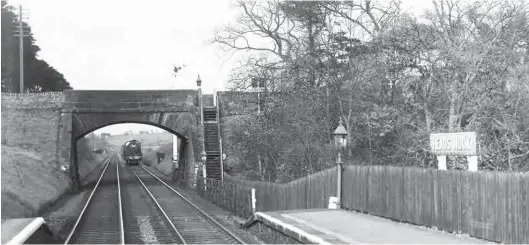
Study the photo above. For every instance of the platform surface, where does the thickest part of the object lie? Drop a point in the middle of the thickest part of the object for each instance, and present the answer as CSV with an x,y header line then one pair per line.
x,y
11,227
340,226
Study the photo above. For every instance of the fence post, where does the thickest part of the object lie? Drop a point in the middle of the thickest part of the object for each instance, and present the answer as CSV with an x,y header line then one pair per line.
x,y
204,176
253,200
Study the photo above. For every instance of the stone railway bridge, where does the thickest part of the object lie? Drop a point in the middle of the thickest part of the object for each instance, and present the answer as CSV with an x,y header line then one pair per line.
x,y
51,123
55,121
174,110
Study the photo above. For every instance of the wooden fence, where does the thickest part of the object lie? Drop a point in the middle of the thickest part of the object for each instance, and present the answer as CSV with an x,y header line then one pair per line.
x,y
230,196
488,205
312,191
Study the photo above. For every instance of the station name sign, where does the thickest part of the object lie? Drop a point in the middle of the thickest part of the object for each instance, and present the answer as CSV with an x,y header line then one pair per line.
x,y
454,144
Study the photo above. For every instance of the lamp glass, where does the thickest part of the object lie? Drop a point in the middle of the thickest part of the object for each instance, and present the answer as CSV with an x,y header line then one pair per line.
x,y
340,141
343,141
199,81
340,136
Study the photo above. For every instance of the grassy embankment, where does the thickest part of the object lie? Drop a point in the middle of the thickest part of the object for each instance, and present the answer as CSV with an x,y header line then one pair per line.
x,y
32,181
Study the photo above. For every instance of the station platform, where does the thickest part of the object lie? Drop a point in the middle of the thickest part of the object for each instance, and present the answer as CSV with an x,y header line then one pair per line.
x,y
27,231
329,226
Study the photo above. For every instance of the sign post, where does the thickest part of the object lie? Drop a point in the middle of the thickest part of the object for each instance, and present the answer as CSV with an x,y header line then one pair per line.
x,y
441,161
455,144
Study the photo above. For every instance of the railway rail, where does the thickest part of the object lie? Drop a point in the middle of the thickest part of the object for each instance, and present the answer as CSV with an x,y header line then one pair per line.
x,y
192,224
144,222
100,221
119,212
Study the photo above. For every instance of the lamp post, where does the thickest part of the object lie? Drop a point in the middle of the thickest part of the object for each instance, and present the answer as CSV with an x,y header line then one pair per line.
x,y
199,85
340,140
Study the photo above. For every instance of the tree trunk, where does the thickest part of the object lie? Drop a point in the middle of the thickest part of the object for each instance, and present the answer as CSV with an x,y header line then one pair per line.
x,y
427,117
369,138
10,65
311,52
328,111
452,116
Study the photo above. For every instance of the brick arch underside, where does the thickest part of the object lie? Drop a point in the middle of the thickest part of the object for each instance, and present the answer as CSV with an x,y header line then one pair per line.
x,y
179,123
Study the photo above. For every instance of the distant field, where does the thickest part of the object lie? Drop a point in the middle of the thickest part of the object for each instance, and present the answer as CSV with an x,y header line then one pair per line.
x,y
152,141
150,144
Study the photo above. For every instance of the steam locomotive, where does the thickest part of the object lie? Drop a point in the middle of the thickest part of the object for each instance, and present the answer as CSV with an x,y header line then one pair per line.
x,y
131,152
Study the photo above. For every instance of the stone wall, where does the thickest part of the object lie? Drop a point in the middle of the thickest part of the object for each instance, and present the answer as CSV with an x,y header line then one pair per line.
x,y
233,103
49,123
32,153
32,121
130,100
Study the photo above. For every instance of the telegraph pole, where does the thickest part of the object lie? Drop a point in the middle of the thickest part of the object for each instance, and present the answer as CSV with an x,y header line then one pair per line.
x,y
21,32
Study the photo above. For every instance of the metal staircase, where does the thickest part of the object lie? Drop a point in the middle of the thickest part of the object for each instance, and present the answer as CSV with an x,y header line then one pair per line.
x,y
211,140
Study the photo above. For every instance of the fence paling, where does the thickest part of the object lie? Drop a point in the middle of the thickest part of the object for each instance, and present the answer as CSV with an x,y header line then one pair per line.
x,y
487,205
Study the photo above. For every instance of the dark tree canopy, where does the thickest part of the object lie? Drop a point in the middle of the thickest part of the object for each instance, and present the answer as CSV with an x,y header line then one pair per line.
x,y
39,76
392,77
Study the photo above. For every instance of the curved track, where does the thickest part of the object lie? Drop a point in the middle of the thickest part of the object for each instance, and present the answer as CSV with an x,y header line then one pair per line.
x,y
194,225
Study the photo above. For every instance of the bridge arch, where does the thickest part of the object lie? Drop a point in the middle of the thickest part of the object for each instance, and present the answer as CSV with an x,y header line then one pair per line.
x,y
171,124
182,137
175,111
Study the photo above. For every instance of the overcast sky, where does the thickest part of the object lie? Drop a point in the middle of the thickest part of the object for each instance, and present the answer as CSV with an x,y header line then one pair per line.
x,y
113,44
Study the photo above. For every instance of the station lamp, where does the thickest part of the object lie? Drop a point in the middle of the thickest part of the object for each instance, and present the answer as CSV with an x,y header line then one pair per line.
x,y
340,140
340,137
199,81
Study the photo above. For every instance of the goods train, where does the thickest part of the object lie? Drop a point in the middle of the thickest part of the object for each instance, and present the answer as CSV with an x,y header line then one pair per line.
x,y
131,152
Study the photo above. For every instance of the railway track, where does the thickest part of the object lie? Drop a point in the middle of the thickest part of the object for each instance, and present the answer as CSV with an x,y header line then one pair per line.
x,y
144,222
100,221
135,207
191,224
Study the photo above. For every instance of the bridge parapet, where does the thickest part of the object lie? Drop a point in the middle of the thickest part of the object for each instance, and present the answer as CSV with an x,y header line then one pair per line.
x,y
129,101
33,100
